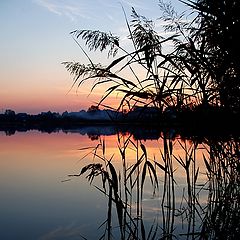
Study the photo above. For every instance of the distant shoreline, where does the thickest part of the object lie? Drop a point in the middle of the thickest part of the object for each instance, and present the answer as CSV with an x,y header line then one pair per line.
x,y
141,122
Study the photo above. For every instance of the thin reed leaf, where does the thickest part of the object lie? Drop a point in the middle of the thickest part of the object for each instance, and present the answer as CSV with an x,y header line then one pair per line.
x,y
153,171
103,146
134,167
207,164
144,150
143,178
161,166
114,176
115,62
196,175
143,232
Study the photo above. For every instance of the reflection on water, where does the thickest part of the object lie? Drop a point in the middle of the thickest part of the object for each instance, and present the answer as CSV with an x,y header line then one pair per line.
x,y
187,189
35,203
169,188
140,132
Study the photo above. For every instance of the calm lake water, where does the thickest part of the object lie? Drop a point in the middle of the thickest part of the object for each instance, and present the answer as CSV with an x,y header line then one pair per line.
x,y
35,203
40,201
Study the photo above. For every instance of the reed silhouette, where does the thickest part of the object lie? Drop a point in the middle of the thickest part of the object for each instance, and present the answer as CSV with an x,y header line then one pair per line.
x,y
206,206
198,73
200,68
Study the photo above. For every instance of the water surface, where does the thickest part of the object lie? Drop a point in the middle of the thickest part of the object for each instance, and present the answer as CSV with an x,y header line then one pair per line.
x,y
39,200
35,202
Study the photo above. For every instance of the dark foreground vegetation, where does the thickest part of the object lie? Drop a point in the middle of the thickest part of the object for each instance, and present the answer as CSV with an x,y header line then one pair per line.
x,y
191,74
194,84
204,206
197,64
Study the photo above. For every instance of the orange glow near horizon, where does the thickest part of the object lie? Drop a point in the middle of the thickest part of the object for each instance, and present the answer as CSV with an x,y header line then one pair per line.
x,y
73,151
34,103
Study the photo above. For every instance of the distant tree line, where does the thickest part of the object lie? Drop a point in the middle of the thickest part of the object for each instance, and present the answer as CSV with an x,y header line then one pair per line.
x,y
212,117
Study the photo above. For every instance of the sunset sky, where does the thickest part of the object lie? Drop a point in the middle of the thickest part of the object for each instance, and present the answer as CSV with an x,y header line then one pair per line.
x,y
35,40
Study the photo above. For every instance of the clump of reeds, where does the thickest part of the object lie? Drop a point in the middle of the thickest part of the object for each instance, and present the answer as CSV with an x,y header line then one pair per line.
x,y
124,186
222,216
163,82
199,68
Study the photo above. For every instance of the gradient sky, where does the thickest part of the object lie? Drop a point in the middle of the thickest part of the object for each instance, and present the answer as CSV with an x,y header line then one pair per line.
x,y
35,40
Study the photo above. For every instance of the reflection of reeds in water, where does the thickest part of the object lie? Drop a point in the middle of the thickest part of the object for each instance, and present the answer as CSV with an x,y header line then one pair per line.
x,y
125,187
222,220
